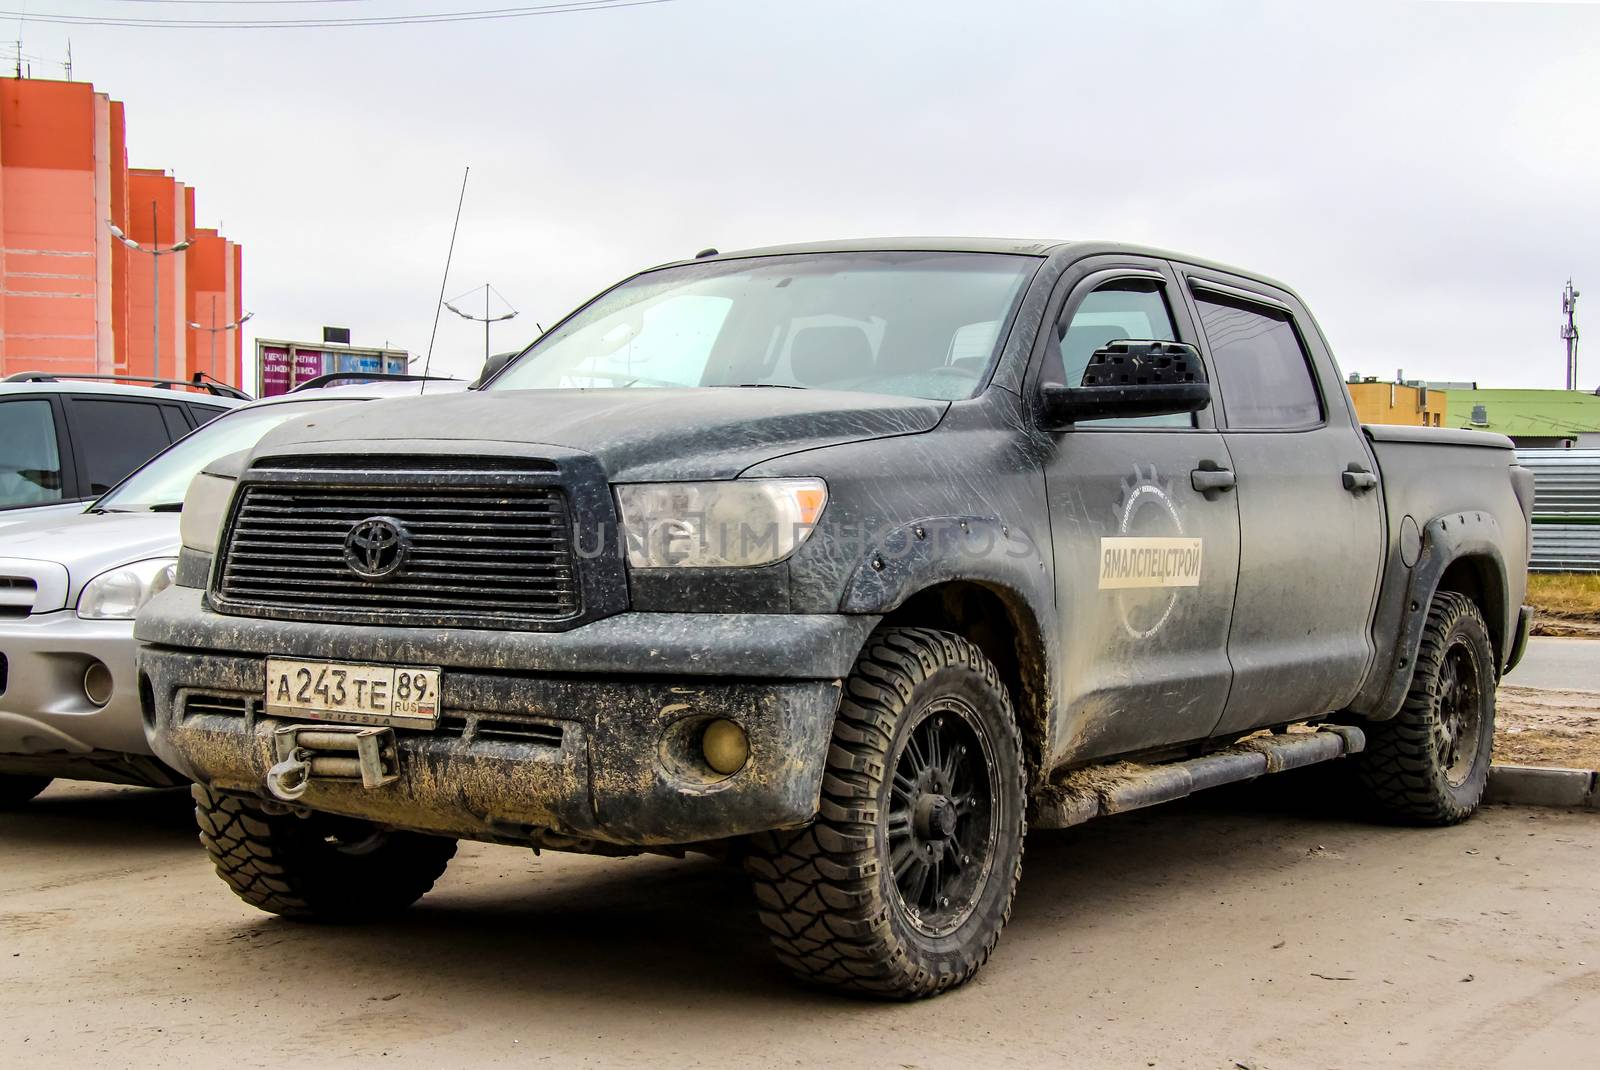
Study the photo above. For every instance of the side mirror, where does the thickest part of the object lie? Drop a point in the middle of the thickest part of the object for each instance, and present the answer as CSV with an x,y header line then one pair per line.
x,y
492,366
1131,378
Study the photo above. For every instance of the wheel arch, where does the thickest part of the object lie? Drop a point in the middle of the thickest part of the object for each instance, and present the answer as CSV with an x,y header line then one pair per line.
x,y
1461,553
998,621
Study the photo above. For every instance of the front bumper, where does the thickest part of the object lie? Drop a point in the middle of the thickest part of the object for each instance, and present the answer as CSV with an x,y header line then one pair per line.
x,y
544,738
43,707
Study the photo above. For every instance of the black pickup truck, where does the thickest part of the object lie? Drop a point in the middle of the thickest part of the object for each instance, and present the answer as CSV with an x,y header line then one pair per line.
x,y
846,561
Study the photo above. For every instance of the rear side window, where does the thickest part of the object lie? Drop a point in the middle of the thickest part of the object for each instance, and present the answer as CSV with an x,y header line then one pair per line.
x,y
1259,364
114,437
204,413
30,460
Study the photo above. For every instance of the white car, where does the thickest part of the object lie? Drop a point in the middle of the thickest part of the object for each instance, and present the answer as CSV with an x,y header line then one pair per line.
x,y
70,587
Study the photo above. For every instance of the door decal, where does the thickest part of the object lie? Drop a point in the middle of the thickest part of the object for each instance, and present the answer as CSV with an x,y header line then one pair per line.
x,y
1150,559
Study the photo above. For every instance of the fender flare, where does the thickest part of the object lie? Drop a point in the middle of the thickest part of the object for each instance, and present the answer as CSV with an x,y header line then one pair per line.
x,y
944,549
1445,540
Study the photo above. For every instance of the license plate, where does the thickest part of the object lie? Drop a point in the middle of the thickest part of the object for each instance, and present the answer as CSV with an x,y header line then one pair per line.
x,y
400,696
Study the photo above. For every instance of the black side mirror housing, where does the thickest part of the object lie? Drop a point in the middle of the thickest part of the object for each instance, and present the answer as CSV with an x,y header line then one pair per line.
x,y
492,366
1129,378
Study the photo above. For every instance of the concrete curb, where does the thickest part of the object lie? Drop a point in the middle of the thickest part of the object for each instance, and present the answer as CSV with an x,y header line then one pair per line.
x,y
1531,785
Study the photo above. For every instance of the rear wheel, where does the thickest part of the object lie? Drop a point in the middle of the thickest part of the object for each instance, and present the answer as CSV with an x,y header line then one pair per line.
x,y
18,790
316,868
901,886
1430,763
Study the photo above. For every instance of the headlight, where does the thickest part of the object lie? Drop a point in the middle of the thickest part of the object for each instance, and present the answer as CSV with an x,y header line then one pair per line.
x,y
735,523
118,594
204,506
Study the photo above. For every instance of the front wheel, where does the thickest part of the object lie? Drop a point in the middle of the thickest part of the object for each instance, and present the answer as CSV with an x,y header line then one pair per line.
x,y
319,867
1430,763
902,884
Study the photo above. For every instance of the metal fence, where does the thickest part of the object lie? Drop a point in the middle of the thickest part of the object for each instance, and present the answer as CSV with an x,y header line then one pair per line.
x,y
1566,509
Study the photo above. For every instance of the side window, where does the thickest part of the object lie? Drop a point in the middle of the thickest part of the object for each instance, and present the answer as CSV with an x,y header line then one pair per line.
x,y
1259,365
177,420
1125,308
204,414
114,437
30,458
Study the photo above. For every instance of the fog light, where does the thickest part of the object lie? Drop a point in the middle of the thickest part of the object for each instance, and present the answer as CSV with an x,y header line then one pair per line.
x,y
726,747
97,683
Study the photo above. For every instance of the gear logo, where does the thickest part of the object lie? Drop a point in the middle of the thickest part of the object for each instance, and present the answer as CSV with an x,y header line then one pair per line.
x,y
1151,558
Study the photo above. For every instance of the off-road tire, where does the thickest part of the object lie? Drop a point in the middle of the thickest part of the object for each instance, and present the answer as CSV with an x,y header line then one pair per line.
x,y
828,893
285,865
1403,773
17,790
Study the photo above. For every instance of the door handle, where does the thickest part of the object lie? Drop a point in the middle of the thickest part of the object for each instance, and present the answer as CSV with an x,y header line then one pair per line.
x,y
1358,479
1211,479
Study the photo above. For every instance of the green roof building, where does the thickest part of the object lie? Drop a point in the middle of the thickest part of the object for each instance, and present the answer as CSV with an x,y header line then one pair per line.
x,y
1553,418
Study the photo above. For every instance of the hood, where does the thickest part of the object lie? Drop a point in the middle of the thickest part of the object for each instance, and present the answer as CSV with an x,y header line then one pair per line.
x,y
87,544
639,434
11,518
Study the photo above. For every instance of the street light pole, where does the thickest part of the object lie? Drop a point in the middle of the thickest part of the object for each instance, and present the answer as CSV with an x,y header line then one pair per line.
x,y
216,329
156,253
487,318
155,296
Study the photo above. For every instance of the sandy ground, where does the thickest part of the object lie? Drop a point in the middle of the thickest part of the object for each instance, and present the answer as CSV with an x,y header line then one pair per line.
x,y
1548,710
1240,929
1536,726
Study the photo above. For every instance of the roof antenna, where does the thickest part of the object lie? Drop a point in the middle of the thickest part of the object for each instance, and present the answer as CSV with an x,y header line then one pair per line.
x,y
438,308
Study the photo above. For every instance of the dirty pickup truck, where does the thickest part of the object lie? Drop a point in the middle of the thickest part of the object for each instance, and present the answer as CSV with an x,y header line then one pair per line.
x,y
847,562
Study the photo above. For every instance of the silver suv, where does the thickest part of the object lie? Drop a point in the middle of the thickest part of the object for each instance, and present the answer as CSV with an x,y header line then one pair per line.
x,y
65,440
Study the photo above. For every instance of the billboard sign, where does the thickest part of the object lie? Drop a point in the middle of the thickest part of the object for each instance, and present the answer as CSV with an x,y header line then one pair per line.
x,y
282,366
274,377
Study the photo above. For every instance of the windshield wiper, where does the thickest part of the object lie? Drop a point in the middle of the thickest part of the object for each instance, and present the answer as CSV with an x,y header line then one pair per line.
x,y
165,507
772,386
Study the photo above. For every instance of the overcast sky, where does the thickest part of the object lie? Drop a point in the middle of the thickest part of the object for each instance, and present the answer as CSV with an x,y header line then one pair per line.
x,y
1425,174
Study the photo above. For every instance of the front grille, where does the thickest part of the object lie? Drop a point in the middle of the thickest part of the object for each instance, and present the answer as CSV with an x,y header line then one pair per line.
x,y
5,672
491,554
17,594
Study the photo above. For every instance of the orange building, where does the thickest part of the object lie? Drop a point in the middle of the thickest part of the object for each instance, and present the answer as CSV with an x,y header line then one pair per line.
x,y
72,297
1397,403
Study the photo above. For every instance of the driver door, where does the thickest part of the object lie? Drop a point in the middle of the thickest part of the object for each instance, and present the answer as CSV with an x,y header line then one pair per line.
x,y
1146,565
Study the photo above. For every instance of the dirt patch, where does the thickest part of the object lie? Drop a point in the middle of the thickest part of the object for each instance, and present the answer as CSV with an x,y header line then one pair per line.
x,y
1538,727
1561,628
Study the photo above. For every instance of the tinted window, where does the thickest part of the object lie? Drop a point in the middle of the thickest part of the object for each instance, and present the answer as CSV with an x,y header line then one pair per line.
x,y
203,413
1259,365
178,423
114,437
30,463
1127,308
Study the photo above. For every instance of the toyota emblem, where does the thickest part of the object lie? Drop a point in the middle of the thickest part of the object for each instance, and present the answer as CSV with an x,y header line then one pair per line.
x,y
376,548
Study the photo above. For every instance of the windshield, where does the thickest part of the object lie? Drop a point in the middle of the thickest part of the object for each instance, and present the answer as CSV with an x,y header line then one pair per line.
x,y
161,483
915,324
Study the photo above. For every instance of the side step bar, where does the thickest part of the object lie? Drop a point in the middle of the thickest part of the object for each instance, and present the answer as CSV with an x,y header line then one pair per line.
x,y
1099,791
